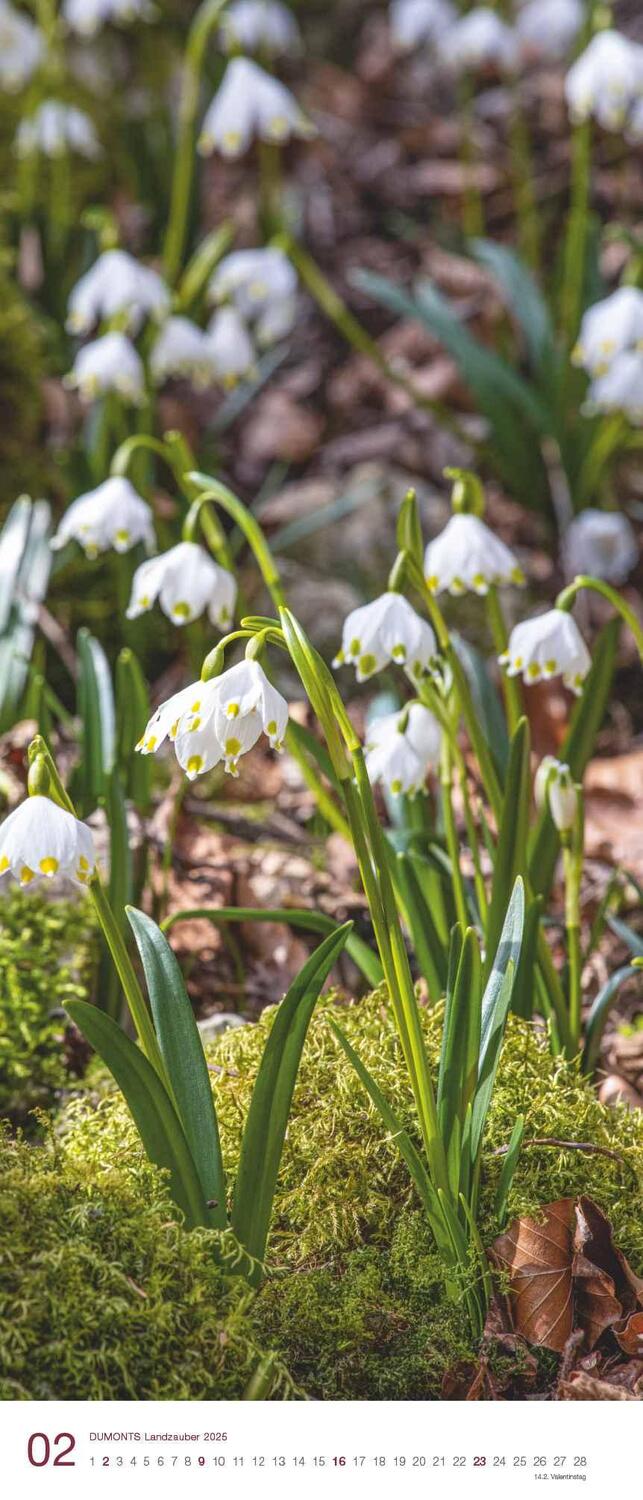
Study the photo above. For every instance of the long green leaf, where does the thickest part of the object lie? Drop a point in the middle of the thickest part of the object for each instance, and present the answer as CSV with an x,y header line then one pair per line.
x,y
132,714
428,949
517,286
599,1013
182,1052
151,1108
313,921
120,890
458,1073
495,1008
265,1129
511,853
508,1169
96,709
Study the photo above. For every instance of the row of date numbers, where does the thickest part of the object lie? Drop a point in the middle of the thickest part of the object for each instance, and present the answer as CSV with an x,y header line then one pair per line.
x,y
359,1460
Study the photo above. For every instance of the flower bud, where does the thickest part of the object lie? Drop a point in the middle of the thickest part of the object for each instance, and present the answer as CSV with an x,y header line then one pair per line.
x,y
467,495
555,788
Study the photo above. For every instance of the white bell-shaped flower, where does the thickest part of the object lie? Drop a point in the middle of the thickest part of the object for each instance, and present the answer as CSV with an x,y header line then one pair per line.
x,y
21,48
620,388
550,645
164,723
56,128
111,516
110,363
602,543
480,40
40,839
236,707
262,285
549,28
264,26
86,17
401,749
186,581
606,80
416,23
117,286
182,350
388,630
249,104
608,328
230,347
554,788
467,558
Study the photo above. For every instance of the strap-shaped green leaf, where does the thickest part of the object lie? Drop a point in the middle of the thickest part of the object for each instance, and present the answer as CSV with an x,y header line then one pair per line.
x,y
458,1073
182,1052
265,1129
518,287
96,709
294,916
132,714
429,951
495,1008
508,1169
599,1013
511,852
150,1106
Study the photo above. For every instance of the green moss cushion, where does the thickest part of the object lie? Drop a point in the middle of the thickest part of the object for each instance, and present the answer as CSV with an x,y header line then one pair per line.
x,y
108,1297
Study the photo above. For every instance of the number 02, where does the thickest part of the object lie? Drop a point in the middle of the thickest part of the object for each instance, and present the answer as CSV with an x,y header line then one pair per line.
x,y
60,1460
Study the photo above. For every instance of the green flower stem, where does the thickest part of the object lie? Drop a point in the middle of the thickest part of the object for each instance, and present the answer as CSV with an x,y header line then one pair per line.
x,y
572,866
204,23
576,234
611,435
327,807
446,782
510,685
522,168
474,843
212,491
472,208
566,599
270,189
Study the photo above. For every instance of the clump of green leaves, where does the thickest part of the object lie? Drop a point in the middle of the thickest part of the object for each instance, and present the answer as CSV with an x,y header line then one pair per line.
x,y
47,953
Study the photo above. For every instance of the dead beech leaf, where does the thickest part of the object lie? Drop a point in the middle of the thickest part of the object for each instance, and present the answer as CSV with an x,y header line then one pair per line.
x,y
584,1387
629,1334
538,1257
594,1240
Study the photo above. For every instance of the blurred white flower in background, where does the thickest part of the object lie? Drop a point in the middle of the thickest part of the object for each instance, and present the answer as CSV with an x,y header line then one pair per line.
x,y
468,557
110,363
551,645
55,129
606,80
39,840
182,349
113,515
549,28
401,748
418,22
262,284
480,40
87,16
600,542
620,388
186,581
387,630
554,788
248,104
117,286
219,720
608,328
260,26
21,48
230,346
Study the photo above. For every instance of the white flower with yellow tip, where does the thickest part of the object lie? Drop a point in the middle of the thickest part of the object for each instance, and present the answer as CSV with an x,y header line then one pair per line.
x,y
262,285
606,80
620,388
110,363
468,558
401,749
609,328
219,720
21,48
87,16
40,840
388,630
117,286
182,350
55,129
164,723
417,22
600,542
480,40
250,104
551,645
260,26
186,581
554,788
230,347
113,515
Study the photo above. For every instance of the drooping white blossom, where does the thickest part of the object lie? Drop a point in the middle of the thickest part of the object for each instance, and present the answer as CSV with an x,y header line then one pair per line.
x,y
264,26
250,104
608,328
620,388
262,285
230,347
21,48
468,557
117,286
401,748
219,720
415,23
109,363
186,581
480,40
388,630
606,81
554,788
56,128
111,516
39,840
182,350
549,28
88,16
602,543
550,645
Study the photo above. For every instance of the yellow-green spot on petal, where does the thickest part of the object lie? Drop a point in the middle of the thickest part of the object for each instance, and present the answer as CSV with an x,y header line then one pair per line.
x,y
396,787
195,706
232,746
83,863
232,711
196,722
195,764
399,652
122,535
144,601
533,670
479,581
355,646
271,728
151,743
181,609
550,666
517,576
4,864
49,865
367,664
433,582
518,663
26,875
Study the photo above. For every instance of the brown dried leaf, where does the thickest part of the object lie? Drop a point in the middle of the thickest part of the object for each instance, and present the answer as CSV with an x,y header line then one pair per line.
x,y
538,1257
629,1334
584,1387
